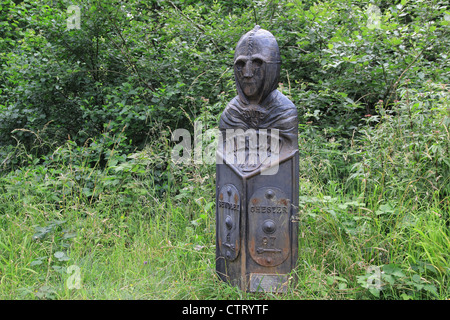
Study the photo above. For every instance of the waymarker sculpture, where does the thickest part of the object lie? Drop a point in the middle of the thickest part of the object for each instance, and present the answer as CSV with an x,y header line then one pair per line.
x,y
257,173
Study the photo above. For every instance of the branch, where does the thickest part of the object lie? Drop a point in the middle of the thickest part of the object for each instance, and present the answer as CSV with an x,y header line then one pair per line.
x,y
126,53
195,24
392,88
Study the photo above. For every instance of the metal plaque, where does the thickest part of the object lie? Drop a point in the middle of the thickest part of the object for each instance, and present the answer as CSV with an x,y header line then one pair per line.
x,y
269,216
268,282
229,209
257,172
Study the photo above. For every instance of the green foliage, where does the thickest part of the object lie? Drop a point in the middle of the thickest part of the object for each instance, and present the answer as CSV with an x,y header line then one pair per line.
x,y
132,65
406,155
392,281
129,66
87,187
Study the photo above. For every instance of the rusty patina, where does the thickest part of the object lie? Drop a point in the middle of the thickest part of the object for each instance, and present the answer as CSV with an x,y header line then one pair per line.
x,y
256,206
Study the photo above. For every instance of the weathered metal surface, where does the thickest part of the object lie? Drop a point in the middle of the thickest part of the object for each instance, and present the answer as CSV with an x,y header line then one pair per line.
x,y
259,252
229,213
262,282
257,173
269,215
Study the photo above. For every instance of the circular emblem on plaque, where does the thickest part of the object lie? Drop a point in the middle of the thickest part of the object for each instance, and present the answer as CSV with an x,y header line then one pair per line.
x,y
229,209
229,222
269,212
269,226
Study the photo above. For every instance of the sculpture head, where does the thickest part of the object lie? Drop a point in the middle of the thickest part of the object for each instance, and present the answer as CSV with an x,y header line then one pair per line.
x,y
257,63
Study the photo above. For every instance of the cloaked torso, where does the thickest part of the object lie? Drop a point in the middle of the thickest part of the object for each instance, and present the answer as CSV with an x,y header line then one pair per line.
x,y
275,112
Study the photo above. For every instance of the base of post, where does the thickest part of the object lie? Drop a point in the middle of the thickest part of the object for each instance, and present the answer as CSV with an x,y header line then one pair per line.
x,y
275,283
256,226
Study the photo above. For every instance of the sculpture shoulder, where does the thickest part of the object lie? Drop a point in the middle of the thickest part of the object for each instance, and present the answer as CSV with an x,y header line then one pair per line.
x,y
283,102
281,112
277,111
233,104
231,115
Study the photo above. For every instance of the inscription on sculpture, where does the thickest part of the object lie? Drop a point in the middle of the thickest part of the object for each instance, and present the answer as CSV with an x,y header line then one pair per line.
x,y
257,172
269,231
274,209
228,205
229,208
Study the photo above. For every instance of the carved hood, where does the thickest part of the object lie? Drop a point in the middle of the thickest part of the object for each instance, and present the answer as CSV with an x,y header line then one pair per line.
x,y
262,42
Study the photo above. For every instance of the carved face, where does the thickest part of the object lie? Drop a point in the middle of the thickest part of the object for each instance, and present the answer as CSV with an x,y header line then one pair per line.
x,y
256,65
250,73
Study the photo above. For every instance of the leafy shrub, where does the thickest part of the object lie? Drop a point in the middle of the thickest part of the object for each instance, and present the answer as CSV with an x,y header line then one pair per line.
x,y
406,155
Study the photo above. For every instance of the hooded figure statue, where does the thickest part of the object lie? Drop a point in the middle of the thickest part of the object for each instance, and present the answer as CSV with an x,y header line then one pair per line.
x,y
259,105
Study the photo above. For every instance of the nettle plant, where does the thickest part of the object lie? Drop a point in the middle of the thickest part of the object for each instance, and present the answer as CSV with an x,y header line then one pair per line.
x,y
391,281
54,261
407,152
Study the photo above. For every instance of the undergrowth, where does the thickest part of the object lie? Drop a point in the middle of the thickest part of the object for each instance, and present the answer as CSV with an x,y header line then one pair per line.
x,y
88,222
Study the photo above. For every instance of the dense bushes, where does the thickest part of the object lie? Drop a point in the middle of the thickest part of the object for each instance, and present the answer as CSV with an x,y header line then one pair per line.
x,y
369,80
133,64
129,65
407,154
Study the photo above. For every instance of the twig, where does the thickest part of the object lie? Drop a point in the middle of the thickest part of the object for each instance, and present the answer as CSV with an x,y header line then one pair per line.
x,y
392,88
195,24
126,53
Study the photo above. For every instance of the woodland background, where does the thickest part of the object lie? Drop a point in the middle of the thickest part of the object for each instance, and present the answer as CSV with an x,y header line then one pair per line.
x,y
92,207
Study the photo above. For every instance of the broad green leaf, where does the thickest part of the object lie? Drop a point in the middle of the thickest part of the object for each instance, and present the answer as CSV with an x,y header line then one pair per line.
x,y
393,269
36,263
61,256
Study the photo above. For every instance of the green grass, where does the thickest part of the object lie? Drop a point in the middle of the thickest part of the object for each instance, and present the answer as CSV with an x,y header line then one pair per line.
x,y
138,227
162,246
